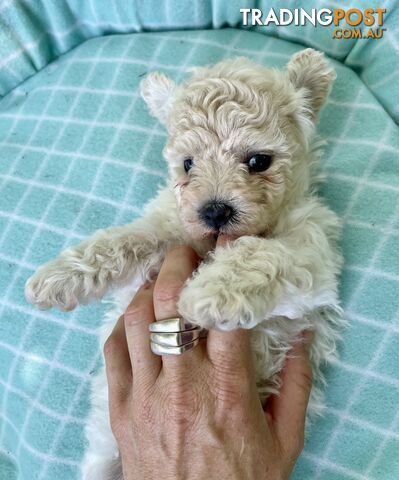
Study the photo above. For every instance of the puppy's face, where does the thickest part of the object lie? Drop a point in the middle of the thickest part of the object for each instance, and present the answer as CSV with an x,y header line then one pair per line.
x,y
237,134
228,157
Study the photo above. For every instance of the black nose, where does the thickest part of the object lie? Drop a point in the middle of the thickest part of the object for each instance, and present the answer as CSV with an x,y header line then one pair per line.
x,y
216,214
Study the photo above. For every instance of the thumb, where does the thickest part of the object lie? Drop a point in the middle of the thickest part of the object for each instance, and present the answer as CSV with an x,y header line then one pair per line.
x,y
288,408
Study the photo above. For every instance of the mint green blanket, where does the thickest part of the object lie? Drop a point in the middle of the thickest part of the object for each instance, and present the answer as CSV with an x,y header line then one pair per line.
x,y
78,152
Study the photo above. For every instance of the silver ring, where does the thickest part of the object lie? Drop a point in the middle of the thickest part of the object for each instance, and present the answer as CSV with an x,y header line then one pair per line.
x,y
171,325
159,349
174,336
175,339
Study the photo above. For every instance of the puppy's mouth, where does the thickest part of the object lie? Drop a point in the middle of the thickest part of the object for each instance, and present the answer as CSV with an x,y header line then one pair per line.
x,y
215,234
203,232
232,230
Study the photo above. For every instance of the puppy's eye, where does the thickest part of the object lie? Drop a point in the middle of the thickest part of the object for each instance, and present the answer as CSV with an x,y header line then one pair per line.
x,y
188,163
259,162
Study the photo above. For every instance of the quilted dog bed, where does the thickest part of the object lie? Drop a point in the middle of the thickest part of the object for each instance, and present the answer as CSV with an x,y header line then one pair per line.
x,y
78,152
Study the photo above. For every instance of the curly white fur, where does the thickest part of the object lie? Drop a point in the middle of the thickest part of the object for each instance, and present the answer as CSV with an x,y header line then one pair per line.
x,y
278,278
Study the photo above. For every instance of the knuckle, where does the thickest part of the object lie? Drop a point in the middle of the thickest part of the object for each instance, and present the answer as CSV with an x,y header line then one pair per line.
x,y
131,417
113,345
229,369
230,383
182,250
118,422
144,417
228,395
180,403
168,294
135,313
305,379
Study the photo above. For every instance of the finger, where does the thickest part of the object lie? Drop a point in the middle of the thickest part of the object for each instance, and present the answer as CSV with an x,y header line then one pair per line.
x,y
230,354
117,364
288,408
138,316
230,351
178,265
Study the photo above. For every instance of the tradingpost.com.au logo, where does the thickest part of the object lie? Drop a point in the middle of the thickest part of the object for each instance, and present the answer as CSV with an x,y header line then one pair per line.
x,y
354,18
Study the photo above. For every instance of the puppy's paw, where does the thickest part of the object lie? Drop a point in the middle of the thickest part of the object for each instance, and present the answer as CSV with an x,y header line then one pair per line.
x,y
210,302
54,286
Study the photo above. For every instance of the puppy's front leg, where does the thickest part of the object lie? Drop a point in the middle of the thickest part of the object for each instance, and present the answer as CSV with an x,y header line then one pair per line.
x,y
88,270
108,259
254,279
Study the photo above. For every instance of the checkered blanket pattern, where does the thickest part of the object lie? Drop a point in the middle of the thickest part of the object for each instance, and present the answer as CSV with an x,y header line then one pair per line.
x,y
35,32
79,152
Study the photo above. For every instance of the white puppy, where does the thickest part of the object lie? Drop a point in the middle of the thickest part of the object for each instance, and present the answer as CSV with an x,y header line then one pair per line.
x,y
241,160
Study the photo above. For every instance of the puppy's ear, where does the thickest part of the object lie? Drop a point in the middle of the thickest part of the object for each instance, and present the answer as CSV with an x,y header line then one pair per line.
x,y
310,71
156,90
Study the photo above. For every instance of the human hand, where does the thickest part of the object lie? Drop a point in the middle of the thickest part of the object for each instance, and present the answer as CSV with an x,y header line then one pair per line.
x,y
198,415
